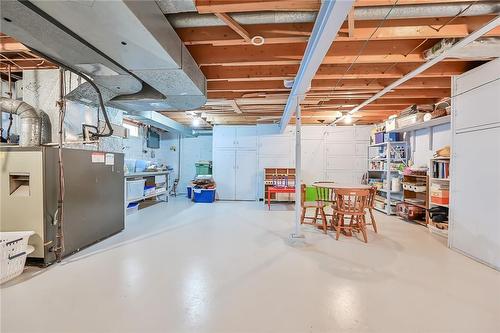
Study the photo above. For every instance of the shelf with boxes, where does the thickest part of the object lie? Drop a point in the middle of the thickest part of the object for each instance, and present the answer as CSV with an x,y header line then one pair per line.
x,y
284,177
439,195
386,160
415,198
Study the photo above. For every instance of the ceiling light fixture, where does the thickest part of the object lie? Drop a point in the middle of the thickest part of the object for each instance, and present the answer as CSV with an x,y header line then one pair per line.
x,y
258,40
348,119
196,121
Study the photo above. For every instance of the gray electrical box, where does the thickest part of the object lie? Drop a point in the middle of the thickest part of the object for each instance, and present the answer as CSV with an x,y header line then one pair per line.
x,y
29,190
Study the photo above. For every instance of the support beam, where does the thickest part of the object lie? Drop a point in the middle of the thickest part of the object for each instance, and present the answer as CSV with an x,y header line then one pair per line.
x,y
330,18
298,172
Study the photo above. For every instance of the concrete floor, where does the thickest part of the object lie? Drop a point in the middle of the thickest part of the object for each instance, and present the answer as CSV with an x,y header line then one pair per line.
x,y
227,267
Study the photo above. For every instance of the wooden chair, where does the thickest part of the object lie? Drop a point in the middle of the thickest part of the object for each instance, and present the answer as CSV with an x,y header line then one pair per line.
x,y
318,207
350,203
327,196
370,205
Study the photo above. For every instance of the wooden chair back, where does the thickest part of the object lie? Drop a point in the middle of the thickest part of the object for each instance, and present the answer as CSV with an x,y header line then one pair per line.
x,y
351,201
302,194
325,194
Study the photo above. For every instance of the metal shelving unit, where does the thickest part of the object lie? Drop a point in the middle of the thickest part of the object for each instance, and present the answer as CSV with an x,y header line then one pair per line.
x,y
396,152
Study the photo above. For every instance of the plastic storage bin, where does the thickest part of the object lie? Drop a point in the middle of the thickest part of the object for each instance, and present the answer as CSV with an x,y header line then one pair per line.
x,y
149,190
14,249
379,137
390,137
132,208
204,195
135,189
203,168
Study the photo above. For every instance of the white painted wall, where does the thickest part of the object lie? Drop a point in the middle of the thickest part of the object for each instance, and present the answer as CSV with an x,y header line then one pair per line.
x,y
193,150
421,151
328,153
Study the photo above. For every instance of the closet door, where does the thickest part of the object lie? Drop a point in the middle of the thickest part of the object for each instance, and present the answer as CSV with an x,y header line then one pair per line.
x,y
475,195
224,137
246,137
224,165
246,175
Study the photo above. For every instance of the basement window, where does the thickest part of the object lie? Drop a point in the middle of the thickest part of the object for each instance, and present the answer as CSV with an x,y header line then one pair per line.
x,y
133,129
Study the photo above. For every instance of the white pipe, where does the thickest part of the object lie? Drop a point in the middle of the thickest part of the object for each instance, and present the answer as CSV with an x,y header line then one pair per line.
x,y
298,173
464,41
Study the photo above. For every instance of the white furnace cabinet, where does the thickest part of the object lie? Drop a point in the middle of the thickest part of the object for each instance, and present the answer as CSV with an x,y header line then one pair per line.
x,y
235,162
475,168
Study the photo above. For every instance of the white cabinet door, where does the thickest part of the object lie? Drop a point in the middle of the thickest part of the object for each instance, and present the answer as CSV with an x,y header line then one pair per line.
x,y
246,175
246,137
224,136
475,196
224,166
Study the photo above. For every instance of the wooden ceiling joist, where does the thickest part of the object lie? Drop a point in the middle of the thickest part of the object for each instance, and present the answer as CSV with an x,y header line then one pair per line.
x,y
396,29
329,72
328,85
290,54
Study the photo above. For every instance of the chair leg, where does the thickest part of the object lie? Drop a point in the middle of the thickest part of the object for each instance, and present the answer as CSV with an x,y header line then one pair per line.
x,y
374,224
303,215
316,212
340,223
362,227
323,217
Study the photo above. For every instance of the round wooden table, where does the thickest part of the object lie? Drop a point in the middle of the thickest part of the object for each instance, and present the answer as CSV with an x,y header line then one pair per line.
x,y
341,186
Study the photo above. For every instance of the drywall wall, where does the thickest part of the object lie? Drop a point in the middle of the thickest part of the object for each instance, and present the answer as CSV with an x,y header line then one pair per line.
x,y
193,150
422,147
328,153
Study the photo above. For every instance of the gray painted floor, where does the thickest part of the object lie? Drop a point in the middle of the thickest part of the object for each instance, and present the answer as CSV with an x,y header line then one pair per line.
x,y
227,267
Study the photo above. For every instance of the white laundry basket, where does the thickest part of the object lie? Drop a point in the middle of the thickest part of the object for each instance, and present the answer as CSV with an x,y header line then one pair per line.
x,y
14,249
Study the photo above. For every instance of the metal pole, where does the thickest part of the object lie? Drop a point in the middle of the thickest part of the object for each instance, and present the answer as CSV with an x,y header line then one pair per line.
x,y
298,165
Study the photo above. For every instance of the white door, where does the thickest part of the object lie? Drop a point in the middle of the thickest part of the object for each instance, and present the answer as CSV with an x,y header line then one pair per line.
x,y
246,175
224,136
475,196
246,137
224,167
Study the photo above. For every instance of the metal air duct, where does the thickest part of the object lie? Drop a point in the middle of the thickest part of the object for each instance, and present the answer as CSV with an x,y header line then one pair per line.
x,y
31,122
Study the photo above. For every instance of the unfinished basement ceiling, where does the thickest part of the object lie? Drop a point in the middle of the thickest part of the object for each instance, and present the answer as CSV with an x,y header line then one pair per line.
x,y
245,83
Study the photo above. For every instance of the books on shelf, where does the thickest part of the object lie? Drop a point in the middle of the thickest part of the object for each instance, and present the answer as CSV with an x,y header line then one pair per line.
x,y
441,169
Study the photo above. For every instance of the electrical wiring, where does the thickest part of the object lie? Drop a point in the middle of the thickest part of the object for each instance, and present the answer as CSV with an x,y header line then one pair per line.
x,y
59,249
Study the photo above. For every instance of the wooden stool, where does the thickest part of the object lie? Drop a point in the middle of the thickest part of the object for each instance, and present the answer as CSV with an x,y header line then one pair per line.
x,y
318,209
350,203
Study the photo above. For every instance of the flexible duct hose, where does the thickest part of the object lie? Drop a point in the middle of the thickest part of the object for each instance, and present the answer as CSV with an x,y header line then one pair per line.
x,y
29,135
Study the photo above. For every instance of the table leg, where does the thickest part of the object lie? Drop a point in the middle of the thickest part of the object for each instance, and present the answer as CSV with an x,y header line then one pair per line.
x,y
268,199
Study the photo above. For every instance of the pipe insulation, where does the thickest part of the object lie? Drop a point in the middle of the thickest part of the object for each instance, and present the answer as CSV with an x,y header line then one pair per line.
x,y
193,20
30,131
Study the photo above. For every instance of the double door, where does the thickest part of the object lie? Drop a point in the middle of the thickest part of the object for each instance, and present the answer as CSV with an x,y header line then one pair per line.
x,y
235,172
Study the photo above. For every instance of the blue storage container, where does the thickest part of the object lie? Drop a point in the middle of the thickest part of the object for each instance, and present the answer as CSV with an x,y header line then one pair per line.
x,y
189,191
204,195
391,137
